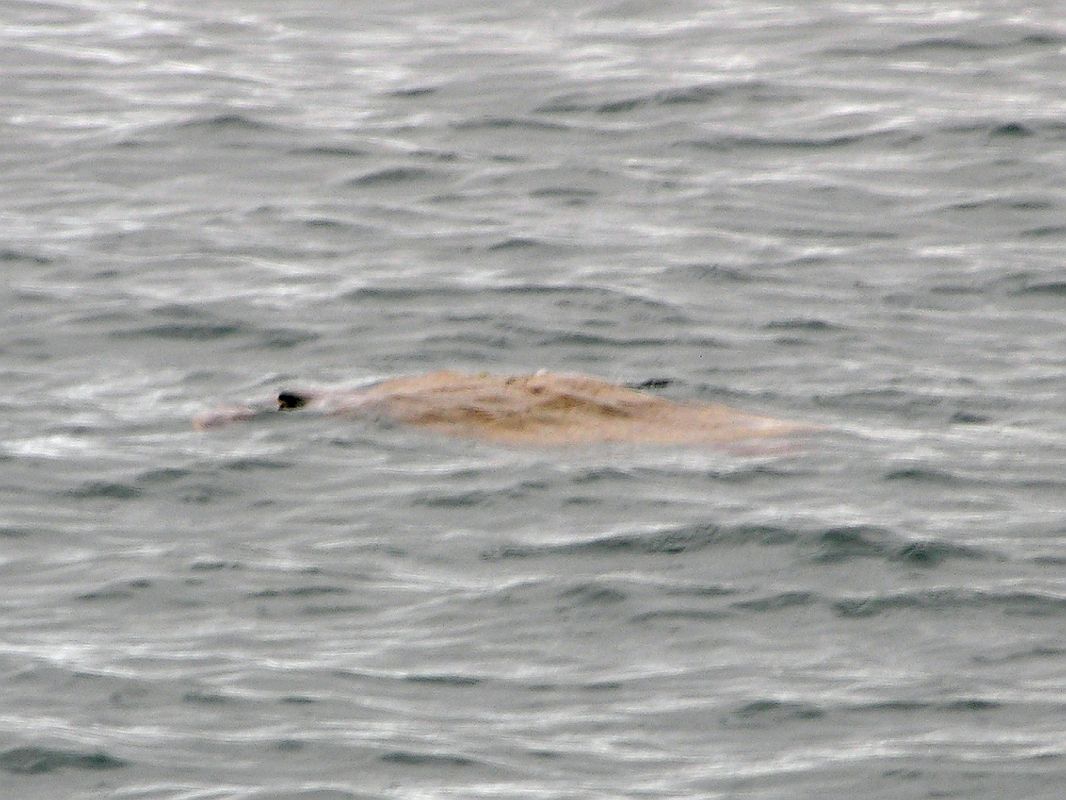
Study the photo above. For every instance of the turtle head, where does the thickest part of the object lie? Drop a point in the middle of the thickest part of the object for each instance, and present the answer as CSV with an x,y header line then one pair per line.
x,y
289,400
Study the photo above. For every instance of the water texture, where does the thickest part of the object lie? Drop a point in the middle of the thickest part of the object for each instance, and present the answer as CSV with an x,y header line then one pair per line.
x,y
849,214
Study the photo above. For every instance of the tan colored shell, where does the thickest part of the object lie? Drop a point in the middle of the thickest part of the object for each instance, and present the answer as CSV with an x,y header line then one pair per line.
x,y
550,409
545,408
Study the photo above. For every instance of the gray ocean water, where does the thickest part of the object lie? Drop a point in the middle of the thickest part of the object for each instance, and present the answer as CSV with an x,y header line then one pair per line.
x,y
846,213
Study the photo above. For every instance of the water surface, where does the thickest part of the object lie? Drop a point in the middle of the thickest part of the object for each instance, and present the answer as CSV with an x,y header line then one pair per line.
x,y
843,213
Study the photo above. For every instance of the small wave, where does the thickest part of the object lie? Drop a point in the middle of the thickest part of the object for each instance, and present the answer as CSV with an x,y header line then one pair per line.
x,y
777,711
1042,39
255,464
912,706
1027,654
801,324
294,746
968,418
850,234
1044,231
712,272
592,594
391,176
297,592
1024,603
329,223
951,43
1003,204
972,704
1049,561
600,474
215,566
409,758
195,488
858,541
687,538
728,142
193,332
468,499
570,294
334,609
929,553
505,123
699,590
414,91
679,615
328,793
9,254
621,106
894,705
334,150
285,338
39,13
923,475
568,193
445,156
750,474
41,760
444,680
162,475
122,591
206,493
957,289
475,338
890,400
227,122
107,490
206,698
776,602
105,594
585,339
840,544
695,94
1011,130
1048,288
518,243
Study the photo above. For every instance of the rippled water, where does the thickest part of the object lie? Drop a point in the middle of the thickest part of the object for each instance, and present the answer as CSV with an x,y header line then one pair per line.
x,y
844,213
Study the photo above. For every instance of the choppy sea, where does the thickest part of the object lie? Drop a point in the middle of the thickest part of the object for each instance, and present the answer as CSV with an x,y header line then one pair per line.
x,y
846,213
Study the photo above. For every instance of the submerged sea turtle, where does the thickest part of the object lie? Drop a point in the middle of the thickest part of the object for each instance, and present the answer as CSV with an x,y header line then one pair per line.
x,y
543,408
